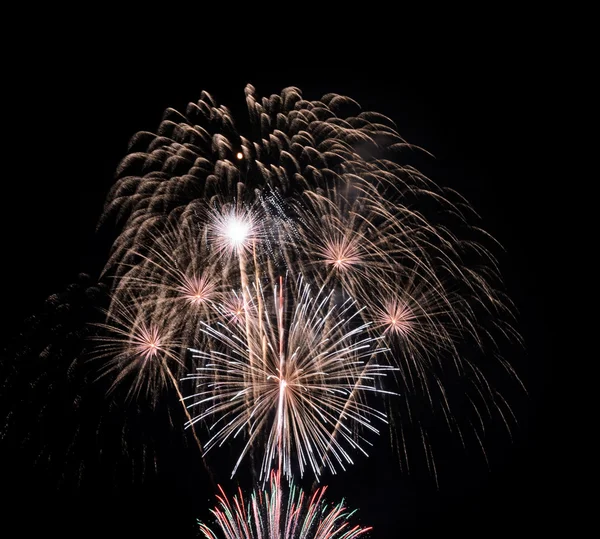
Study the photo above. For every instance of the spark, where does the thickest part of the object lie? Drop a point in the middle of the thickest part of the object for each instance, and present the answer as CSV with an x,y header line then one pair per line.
x,y
137,347
396,317
341,254
234,307
147,341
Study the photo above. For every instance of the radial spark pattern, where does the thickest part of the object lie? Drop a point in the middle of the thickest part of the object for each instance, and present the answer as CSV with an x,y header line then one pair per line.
x,y
282,514
296,376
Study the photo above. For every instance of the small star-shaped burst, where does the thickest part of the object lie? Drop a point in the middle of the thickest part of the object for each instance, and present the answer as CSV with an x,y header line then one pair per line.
x,y
198,290
235,307
146,341
340,253
396,317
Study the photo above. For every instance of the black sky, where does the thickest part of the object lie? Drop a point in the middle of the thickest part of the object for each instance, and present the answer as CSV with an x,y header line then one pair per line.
x,y
67,124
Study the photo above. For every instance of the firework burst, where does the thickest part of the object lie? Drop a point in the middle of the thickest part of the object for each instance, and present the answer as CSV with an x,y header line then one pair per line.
x,y
294,377
209,220
280,514
139,346
233,231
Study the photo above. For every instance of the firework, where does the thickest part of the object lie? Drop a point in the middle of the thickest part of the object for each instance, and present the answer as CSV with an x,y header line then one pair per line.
x,y
277,514
310,282
294,377
140,346
206,215
209,219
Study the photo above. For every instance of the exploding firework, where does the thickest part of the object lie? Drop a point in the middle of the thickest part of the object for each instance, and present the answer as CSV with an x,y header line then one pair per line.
x,y
139,346
390,290
295,377
277,514
46,388
206,215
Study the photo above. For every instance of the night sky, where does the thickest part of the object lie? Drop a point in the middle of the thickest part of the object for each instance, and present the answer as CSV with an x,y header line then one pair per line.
x,y
67,124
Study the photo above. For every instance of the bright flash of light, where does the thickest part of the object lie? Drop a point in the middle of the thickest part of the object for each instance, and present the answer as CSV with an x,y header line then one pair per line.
x,y
282,513
237,231
297,380
233,231
239,155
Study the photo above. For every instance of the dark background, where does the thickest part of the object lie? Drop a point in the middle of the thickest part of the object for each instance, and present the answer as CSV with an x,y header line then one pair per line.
x,y
477,105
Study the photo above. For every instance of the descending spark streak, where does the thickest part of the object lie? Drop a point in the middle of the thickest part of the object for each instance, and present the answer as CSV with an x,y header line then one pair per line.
x,y
268,515
301,378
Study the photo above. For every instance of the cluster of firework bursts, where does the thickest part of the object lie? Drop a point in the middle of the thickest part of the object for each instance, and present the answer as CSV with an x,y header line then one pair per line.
x,y
297,288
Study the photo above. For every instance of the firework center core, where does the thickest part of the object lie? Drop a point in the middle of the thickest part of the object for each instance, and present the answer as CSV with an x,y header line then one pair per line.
x,y
237,231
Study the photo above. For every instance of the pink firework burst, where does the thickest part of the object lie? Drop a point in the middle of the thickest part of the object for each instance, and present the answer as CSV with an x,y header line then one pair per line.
x,y
147,342
235,307
198,290
396,317
138,348
341,253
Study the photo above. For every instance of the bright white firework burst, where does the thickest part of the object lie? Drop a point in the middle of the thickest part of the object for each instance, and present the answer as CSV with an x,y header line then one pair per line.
x,y
295,377
233,230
